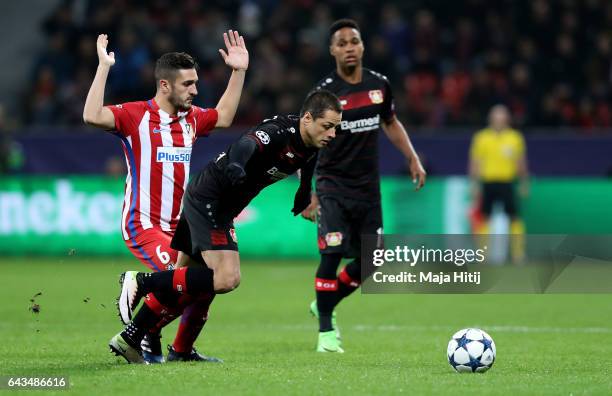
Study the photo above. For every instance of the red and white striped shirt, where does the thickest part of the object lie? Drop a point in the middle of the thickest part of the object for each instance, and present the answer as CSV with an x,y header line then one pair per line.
x,y
157,149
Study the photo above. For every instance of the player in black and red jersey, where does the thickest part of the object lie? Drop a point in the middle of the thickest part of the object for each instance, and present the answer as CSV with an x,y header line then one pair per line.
x,y
208,260
348,183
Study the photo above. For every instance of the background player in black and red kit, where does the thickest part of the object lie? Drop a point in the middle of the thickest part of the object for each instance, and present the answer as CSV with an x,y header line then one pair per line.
x,y
205,234
348,184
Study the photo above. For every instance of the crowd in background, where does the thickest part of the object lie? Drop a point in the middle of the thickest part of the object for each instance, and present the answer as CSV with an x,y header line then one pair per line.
x,y
448,61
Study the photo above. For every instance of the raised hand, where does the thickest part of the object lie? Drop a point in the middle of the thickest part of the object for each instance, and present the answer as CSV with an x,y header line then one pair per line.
x,y
237,56
103,57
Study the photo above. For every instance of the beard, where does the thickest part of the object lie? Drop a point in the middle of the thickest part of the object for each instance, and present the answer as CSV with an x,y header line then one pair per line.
x,y
178,103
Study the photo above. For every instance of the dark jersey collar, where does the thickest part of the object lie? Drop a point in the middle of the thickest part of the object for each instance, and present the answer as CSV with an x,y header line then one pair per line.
x,y
336,76
294,122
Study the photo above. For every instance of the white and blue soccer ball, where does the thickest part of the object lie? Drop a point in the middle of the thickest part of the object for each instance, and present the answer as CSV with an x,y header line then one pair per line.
x,y
471,351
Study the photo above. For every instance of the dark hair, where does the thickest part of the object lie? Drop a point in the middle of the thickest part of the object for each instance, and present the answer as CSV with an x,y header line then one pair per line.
x,y
170,63
342,23
318,102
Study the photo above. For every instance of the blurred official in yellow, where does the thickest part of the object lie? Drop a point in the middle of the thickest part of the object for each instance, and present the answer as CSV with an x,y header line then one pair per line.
x,y
498,160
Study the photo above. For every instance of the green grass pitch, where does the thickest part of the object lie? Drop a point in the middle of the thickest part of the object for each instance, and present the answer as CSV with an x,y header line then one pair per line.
x,y
546,344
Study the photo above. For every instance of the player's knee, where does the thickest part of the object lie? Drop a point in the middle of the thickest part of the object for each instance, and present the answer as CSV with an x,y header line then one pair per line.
x,y
225,283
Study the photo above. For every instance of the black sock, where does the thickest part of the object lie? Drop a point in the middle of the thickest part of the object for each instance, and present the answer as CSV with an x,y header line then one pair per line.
x,y
326,287
200,280
344,291
325,304
150,282
134,332
168,299
189,280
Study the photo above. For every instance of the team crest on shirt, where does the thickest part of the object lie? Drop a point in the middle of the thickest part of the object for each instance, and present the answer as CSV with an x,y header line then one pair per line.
x,y
376,96
190,131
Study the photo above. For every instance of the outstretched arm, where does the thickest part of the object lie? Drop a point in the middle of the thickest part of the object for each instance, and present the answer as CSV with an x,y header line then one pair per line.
x,y
398,136
236,57
312,210
94,112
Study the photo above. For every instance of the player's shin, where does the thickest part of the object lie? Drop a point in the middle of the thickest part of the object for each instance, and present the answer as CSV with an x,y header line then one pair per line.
x,y
193,319
144,319
168,307
349,279
326,288
151,343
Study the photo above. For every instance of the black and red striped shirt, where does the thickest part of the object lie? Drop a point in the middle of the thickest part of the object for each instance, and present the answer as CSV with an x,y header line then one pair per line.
x,y
348,166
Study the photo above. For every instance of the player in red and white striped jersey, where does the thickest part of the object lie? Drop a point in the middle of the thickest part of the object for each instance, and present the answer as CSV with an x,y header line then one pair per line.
x,y
157,136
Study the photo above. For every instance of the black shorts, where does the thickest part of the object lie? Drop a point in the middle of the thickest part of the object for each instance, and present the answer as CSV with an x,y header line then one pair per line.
x,y
499,192
343,220
201,227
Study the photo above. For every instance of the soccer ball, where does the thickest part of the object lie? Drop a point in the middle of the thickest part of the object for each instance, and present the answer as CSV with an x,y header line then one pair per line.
x,y
471,351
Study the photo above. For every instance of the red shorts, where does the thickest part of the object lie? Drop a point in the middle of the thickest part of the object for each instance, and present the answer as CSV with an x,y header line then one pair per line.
x,y
152,248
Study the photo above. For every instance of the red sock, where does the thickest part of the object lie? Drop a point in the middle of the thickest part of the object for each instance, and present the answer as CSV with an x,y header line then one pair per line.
x,y
157,307
166,314
179,282
192,321
346,284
